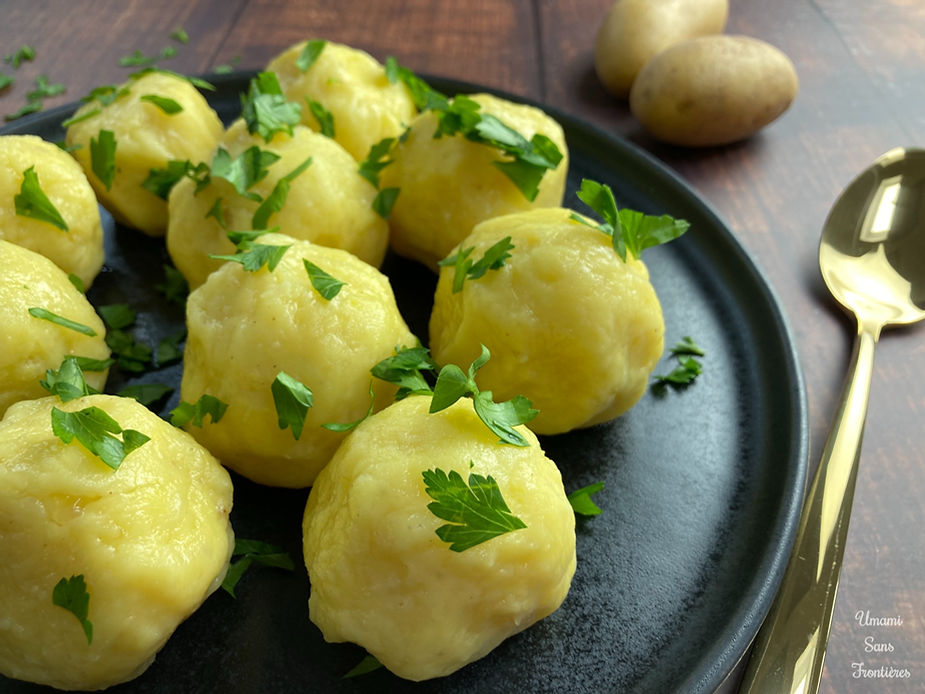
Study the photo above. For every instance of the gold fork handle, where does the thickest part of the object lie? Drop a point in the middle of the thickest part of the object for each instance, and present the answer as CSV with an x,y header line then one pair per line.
x,y
790,647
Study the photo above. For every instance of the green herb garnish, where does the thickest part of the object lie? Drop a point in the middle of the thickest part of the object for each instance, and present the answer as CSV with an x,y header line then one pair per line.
x,y
349,426
581,500
364,667
293,400
254,552
174,287
148,394
476,511
405,369
688,368
277,198
464,267
376,160
195,413
326,285
265,109
310,53
161,181
45,314
324,117
245,170
24,52
169,106
103,157
94,429
252,255
385,201
32,202
67,382
72,594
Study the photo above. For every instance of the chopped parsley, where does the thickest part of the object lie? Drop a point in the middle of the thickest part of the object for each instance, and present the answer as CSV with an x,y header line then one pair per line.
x,y
72,594
349,426
131,354
265,109
103,157
323,283
292,399
364,667
174,287
45,314
95,430
310,53
581,501
476,511
385,201
254,552
24,52
195,413
161,181
68,381
32,202
689,367
252,255
464,267
404,369
377,160
167,105
148,394
324,117
277,198
245,170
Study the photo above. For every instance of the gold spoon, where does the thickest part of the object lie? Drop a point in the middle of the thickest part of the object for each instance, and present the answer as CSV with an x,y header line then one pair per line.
x,y
872,258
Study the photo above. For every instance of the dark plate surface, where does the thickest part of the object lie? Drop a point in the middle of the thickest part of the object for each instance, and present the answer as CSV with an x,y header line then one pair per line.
x,y
703,485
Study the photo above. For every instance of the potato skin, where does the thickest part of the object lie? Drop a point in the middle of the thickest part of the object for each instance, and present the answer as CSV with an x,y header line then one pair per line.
x,y
79,249
29,345
152,540
713,90
635,31
569,324
382,578
245,327
450,184
146,138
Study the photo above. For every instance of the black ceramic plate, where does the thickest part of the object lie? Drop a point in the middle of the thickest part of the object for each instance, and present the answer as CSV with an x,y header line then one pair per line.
x,y
703,485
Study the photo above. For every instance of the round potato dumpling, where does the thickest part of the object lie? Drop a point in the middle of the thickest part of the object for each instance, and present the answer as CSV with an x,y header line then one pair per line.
x,y
380,575
32,169
150,539
31,344
148,133
450,184
245,328
352,86
569,324
328,203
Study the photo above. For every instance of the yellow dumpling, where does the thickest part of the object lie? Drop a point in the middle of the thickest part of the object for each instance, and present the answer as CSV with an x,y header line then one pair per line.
x,y
77,248
146,137
380,575
151,540
352,86
31,344
328,203
450,184
247,327
569,324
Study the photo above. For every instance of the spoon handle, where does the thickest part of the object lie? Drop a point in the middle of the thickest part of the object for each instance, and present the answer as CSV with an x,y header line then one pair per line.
x,y
790,647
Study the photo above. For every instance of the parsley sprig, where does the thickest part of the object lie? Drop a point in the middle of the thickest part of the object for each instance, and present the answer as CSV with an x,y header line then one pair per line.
x,y
476,511
465,268
406,370
265,108
72,594
195,412
32,202
96,431
254,552
689,367
253,255
631,232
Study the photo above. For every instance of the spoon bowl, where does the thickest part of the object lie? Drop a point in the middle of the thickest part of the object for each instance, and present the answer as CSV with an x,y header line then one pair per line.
x,y
872,259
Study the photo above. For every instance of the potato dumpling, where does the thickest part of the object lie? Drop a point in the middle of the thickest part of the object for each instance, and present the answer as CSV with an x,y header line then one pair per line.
x,y
352,86
146,137
76,249
380,575
450,184
328,203
30,345
635,31
713,90
569,324
151,539
247,327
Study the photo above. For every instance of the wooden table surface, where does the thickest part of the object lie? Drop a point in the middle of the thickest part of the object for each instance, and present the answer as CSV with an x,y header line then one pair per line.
x,y
862,91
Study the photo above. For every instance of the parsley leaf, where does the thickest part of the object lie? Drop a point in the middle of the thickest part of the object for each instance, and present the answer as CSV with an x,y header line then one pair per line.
x,y
25,52
385,201
376,160
5,81
324,117
326,285
94,429
148,394
277,198
364,667
689,347
501,418
77,282
292,400
82,117
581,500
174,287
68,381
195,81
186,412
105,94
131,354
404,370
245,170
348,426
310,53
265,109
179,34
103,156
45,314
139,59
254,552
169,349
476,511
71,594
165,104
44,88
117,316
251,255
688,367
464,267
161,181
32,202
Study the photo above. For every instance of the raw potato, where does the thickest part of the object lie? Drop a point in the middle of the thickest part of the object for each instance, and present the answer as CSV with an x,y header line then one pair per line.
x,y
77,250
450,184
569,325
28,345
713,90
635,31
352,85
329,203
146,138
151,539
382,578
246,327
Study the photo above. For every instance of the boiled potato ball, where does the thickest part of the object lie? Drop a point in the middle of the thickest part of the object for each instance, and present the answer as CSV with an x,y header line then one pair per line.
x,y
152,540
569,324
247,327
77,247
29,344
380,575
146,137
450,184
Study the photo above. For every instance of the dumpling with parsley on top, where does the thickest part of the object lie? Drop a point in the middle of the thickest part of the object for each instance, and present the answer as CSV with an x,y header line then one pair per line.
x,y
273,174
131,138
114,527
284,336
345,92
428,542
48,206
570,323
466,160
45,318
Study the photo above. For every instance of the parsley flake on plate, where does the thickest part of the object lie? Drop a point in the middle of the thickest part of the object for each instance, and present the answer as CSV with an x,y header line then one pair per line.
x,y
254,552
581,500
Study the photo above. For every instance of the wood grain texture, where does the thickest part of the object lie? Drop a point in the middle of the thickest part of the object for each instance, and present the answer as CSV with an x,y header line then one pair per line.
x,y
861,67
